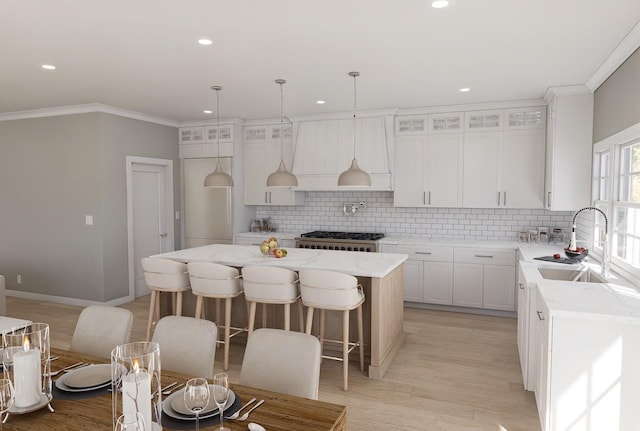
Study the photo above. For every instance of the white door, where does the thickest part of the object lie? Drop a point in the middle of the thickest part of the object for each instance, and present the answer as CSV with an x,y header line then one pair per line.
x,y
481,168
150,210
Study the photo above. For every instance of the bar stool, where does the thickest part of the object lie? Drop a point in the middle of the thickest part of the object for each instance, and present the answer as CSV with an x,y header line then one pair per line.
x,y
164,275
271,285
329,290
212,280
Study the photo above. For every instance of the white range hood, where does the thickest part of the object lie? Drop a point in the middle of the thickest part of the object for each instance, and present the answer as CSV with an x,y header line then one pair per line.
x,y
324,149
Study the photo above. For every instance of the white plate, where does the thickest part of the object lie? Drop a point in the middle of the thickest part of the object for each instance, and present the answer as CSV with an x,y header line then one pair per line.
x,y
88,377
44,400
178,398
60,384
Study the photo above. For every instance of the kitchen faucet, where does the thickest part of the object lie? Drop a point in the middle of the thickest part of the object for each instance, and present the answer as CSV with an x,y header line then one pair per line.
x,y
605,244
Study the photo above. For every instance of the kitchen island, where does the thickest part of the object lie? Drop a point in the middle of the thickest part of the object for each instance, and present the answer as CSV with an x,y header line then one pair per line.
x,y
381,275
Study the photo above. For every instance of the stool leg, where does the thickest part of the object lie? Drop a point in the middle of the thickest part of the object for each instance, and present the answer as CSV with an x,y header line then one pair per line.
x,y
309,319
173,303
360,338
287,317
152,304
179,304
252,317
345,347
199,300
218,321
227,331
322,328
300,315
264,315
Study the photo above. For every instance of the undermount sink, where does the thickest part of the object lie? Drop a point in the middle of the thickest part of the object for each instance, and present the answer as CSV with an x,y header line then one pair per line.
x,y
576,275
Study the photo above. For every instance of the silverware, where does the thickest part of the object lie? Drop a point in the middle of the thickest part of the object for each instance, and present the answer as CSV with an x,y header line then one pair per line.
x,y
245,416
169,386
172,390
55,373
236,414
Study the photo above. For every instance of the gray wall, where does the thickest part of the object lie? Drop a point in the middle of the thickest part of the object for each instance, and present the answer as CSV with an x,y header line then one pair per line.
x,y
617,100
53,172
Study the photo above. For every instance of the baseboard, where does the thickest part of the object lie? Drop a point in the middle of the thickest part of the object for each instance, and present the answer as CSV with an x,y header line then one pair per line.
x,y
484,312
66,300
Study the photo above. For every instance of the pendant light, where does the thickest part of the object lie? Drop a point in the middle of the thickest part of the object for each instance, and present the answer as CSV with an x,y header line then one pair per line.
x,y
354,176
282,177
218,178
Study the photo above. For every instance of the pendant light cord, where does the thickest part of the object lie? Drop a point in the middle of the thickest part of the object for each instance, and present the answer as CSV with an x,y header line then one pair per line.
x,y
281,123
218,131
354,115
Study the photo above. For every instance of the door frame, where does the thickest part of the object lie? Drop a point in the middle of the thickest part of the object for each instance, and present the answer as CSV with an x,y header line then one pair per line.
x,y
167,165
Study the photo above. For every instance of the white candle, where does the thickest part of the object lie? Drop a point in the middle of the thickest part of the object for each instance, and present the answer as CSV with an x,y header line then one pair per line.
x,y
27,376
136,394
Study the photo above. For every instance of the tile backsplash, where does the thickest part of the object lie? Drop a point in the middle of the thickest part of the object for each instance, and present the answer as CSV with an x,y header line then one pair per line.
x,y
324,211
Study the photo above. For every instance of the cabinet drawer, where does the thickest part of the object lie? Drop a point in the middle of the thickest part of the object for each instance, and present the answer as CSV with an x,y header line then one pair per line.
x,y
485,256
431,254
542,312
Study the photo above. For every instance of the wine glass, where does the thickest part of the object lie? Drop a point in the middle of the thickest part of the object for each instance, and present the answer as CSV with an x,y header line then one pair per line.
x,y
130,422
221,395
7,396
196,397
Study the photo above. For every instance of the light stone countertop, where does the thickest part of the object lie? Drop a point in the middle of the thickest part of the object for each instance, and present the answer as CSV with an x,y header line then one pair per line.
x,y
375,265
615,301
277,234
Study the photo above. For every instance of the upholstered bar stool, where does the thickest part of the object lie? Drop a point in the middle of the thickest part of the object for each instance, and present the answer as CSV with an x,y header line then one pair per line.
x,y
212,280
329,290
271,285
164,275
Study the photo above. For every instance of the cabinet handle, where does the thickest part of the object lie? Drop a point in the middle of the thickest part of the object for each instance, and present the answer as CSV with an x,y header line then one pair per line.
x,y
540,316
498,198
484,255
521,285
423,252
266,201
269,197
504,195
429,198
424,198
548,199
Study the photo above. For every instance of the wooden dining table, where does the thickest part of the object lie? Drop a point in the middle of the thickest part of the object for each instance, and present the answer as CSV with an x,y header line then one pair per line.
x,y
279,412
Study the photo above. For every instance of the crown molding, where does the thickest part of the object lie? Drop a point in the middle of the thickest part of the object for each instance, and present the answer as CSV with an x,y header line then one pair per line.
x,y
472,107
212,122
84,109
629,44
565,90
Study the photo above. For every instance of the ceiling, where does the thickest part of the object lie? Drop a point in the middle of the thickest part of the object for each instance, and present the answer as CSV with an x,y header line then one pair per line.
x,y
143,55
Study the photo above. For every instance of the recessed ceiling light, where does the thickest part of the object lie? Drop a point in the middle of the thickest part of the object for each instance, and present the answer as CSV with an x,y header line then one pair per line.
x,y
464,90
48,67
439,4
205,41
320,102
208,111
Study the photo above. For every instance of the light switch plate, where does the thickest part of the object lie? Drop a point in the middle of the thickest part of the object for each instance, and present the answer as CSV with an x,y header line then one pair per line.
x,y
88,220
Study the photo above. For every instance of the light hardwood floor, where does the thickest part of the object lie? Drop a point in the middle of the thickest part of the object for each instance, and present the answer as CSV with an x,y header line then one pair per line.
x,y
455,372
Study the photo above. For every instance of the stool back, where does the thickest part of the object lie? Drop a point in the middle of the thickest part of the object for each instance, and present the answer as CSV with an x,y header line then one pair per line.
x,y
329,289
269,284
165,274
209,278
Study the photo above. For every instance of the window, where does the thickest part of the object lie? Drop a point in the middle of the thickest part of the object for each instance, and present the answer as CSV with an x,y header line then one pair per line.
x,y
616,191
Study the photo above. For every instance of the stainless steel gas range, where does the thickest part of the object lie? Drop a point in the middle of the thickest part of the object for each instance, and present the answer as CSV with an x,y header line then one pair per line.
x,y
347,241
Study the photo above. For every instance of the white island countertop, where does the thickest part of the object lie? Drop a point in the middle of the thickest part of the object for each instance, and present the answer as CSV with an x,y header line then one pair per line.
x,y
359,264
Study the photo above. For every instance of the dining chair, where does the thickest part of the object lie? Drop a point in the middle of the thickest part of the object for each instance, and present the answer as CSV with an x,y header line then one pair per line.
x,y
212,280
185,345
282,361
164,275
271,285
100,328
330,290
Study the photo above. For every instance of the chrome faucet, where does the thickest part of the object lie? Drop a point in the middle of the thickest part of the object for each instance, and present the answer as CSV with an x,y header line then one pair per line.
x,y
605,244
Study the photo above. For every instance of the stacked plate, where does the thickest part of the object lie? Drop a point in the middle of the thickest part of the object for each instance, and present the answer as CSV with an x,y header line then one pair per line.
x,y
85,379
173,406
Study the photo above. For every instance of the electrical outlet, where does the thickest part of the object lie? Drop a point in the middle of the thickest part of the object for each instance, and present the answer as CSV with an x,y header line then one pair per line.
x,y
19,279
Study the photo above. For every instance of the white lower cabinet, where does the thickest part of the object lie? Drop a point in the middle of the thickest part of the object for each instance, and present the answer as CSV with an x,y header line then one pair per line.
x,y
428,274
523,328
586,371
484,278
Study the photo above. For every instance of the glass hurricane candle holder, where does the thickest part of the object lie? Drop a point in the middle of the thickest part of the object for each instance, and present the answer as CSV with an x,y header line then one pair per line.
x,y
27,363
135,381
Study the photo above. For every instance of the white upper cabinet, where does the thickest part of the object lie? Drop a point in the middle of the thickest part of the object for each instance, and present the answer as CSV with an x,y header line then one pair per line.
x,y
261,158
483,121
525,118
522,179
411,125
451,122
481,170
569,149
202,142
